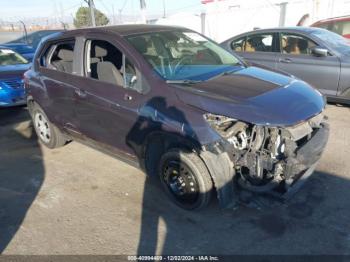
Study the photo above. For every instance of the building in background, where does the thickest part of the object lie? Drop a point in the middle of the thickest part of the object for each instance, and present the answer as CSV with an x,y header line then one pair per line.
x,y
184,19
225,18
218,19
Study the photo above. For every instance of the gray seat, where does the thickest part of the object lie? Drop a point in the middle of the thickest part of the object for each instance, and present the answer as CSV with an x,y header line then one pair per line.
x,y
142,45
65,64
107,71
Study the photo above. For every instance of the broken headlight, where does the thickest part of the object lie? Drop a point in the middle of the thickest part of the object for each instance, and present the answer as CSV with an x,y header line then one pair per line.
x,y
234,131
257,151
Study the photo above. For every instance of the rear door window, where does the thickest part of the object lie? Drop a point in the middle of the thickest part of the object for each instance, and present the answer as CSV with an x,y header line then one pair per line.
x,y
255,43
59,57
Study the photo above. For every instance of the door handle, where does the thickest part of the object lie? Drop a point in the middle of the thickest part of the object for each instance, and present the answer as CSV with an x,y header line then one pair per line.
x,y
285,60
127,97
80,93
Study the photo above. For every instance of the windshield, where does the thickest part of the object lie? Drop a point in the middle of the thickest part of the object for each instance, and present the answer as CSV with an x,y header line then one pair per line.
x,y
334,41
9,57
177,55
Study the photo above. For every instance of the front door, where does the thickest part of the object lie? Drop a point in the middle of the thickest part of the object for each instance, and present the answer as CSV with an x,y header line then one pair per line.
x,y
109,96
56,72
296,58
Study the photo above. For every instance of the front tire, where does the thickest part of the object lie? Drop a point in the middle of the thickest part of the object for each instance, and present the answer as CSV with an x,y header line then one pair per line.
x,y
48,133
185,179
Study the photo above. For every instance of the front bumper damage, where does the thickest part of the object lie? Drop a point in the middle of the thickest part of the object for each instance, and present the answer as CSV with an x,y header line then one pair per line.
x,y
275,162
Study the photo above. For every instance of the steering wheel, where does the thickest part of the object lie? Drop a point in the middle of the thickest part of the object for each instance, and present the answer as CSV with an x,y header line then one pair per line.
x,y
180,63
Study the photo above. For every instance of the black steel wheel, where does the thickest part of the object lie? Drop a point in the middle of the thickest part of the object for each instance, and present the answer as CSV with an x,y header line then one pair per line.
x,y
185,179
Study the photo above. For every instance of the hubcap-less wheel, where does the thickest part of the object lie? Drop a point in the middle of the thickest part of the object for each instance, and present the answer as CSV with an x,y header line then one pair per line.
x,y
42,127
181,182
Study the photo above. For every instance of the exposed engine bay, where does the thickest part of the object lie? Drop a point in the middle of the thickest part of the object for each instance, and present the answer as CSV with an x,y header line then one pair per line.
x,y
271,158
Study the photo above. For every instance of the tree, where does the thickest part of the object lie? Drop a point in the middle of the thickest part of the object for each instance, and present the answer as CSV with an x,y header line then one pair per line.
x,y
83,18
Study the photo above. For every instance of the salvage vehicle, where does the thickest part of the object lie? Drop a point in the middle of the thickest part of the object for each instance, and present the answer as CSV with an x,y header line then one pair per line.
x,y
12,68
315,55
179,106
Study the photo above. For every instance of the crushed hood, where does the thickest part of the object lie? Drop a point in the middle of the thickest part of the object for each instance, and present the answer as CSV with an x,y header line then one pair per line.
x,y
255,95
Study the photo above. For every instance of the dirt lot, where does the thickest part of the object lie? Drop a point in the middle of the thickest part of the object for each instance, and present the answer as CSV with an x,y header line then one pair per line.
x,y
75,200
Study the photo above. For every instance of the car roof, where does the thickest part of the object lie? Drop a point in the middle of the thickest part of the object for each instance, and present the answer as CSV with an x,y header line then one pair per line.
x,y
290,28
339,18
123,30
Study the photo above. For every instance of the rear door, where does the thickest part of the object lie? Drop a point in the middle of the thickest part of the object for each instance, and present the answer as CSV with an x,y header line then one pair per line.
x,y
296,58
110,94
56,73
257,48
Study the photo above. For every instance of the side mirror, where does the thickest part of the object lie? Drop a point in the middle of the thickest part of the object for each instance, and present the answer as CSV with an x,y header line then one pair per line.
x,y
319,51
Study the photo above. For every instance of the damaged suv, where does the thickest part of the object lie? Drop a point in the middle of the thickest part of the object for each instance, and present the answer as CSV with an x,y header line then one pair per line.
x,y
180,107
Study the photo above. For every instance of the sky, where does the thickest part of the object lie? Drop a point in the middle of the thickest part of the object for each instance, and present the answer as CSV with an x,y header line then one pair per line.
x,y
17,9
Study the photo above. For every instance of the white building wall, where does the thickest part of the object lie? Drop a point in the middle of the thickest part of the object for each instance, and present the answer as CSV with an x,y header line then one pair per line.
x,y
226,18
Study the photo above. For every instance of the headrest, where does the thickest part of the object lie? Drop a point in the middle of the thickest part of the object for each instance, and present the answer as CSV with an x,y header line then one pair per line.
x,y
100,52
65,55
302,44
161,50
140,44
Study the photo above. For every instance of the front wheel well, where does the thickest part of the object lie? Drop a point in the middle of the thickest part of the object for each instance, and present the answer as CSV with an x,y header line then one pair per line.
x,y
30,103
158,143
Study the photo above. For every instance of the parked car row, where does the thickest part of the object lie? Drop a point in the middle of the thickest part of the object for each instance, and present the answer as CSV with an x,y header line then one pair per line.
x,y
183,108
27,45
15,59
12,68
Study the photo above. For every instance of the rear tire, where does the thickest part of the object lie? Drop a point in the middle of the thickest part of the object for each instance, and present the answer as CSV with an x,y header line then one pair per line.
x,y
185,179
48,133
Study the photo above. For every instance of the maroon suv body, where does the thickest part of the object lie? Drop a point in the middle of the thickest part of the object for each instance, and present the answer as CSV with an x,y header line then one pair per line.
x,y
179,106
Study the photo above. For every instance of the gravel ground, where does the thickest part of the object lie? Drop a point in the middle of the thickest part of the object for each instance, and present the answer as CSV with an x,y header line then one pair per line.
x,y
75,200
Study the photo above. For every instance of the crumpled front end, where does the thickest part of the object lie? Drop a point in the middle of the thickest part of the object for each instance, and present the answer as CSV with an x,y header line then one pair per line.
x,y
267,159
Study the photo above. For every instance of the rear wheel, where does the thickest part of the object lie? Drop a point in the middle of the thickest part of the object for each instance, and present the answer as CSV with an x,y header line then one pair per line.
x,y
185,179
47,132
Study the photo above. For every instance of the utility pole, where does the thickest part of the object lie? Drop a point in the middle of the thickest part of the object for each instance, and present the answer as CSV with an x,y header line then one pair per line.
x,y
143,11
203,23
120,16
92,11
164,9
331,8
283,11
113,14
25,31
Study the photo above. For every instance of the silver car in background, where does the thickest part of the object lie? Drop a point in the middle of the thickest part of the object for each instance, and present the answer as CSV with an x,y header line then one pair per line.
x,y
315,55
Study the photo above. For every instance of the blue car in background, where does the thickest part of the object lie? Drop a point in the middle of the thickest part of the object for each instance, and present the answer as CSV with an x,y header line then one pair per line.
x,y
12,68
23,49
27,44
